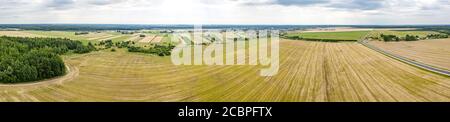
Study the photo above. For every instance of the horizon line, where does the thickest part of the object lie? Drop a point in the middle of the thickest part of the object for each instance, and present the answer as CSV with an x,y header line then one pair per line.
x,y
218,24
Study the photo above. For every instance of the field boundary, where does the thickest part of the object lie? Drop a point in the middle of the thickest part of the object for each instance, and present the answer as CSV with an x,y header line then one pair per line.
x,y
72,72
406,60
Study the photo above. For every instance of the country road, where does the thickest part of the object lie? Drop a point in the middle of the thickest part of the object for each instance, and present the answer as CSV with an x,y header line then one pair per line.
x,y
406,60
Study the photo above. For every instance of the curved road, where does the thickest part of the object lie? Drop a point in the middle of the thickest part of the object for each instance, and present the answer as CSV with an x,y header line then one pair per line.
x,y
406,60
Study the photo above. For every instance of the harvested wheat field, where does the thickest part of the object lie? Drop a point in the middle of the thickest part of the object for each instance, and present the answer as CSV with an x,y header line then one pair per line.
x,y
112,37
147,39
309,71
93,35
157,39
434,52
19,34
101,37
134,38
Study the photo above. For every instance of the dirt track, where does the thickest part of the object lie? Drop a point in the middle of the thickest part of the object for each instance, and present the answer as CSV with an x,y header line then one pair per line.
x,y
72,72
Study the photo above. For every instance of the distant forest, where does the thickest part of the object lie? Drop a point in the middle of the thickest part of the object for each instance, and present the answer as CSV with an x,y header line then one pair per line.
x,y
95,27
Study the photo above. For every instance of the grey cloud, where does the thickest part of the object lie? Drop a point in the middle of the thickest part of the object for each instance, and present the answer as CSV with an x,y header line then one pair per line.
x,y
6,4
282,2
358,5
299,2
338,4
69,4
437,5
60,4
104,2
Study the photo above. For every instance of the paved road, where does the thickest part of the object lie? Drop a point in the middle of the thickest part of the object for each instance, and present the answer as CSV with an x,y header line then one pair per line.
x,y
406,60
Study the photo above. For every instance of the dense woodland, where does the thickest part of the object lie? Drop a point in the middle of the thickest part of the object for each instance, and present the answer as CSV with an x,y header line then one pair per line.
x,y
32,59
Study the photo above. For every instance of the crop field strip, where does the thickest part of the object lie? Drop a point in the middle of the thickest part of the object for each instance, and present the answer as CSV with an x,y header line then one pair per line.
x,y
433,52
19,34
112,37
157,39
309,71
147,39
67,34
347,35
377,33
100,37
134,38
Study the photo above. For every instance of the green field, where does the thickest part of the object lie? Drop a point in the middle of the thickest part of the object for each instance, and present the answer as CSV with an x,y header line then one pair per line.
x,y
350,35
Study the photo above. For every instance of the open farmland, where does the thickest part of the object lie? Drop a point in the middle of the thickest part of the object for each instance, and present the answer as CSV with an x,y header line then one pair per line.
x,y
51,34
348,35
403,33
147,39
100,37
57,34
91,37
434,52
134,38
309,71
157,39
336,29
19,34
118,38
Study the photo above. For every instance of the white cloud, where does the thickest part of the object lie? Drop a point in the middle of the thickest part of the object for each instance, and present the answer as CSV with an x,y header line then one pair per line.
x,y
226,11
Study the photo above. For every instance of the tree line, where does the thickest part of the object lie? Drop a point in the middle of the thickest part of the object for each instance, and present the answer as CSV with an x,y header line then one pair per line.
x,y
156,49
31,59
163,49
389,38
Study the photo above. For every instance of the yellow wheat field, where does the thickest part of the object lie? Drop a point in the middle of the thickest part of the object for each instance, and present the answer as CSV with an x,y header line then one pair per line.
x,y
433,52
19,34
309,71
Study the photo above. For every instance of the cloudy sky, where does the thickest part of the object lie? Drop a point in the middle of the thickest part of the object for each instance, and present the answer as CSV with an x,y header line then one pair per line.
x,y
226,11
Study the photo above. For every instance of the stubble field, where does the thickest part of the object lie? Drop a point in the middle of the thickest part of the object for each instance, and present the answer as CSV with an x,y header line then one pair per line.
x,y
309,71
435,52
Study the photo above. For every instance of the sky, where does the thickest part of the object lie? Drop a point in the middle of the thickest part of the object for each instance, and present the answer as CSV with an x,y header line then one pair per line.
x,y
283,12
